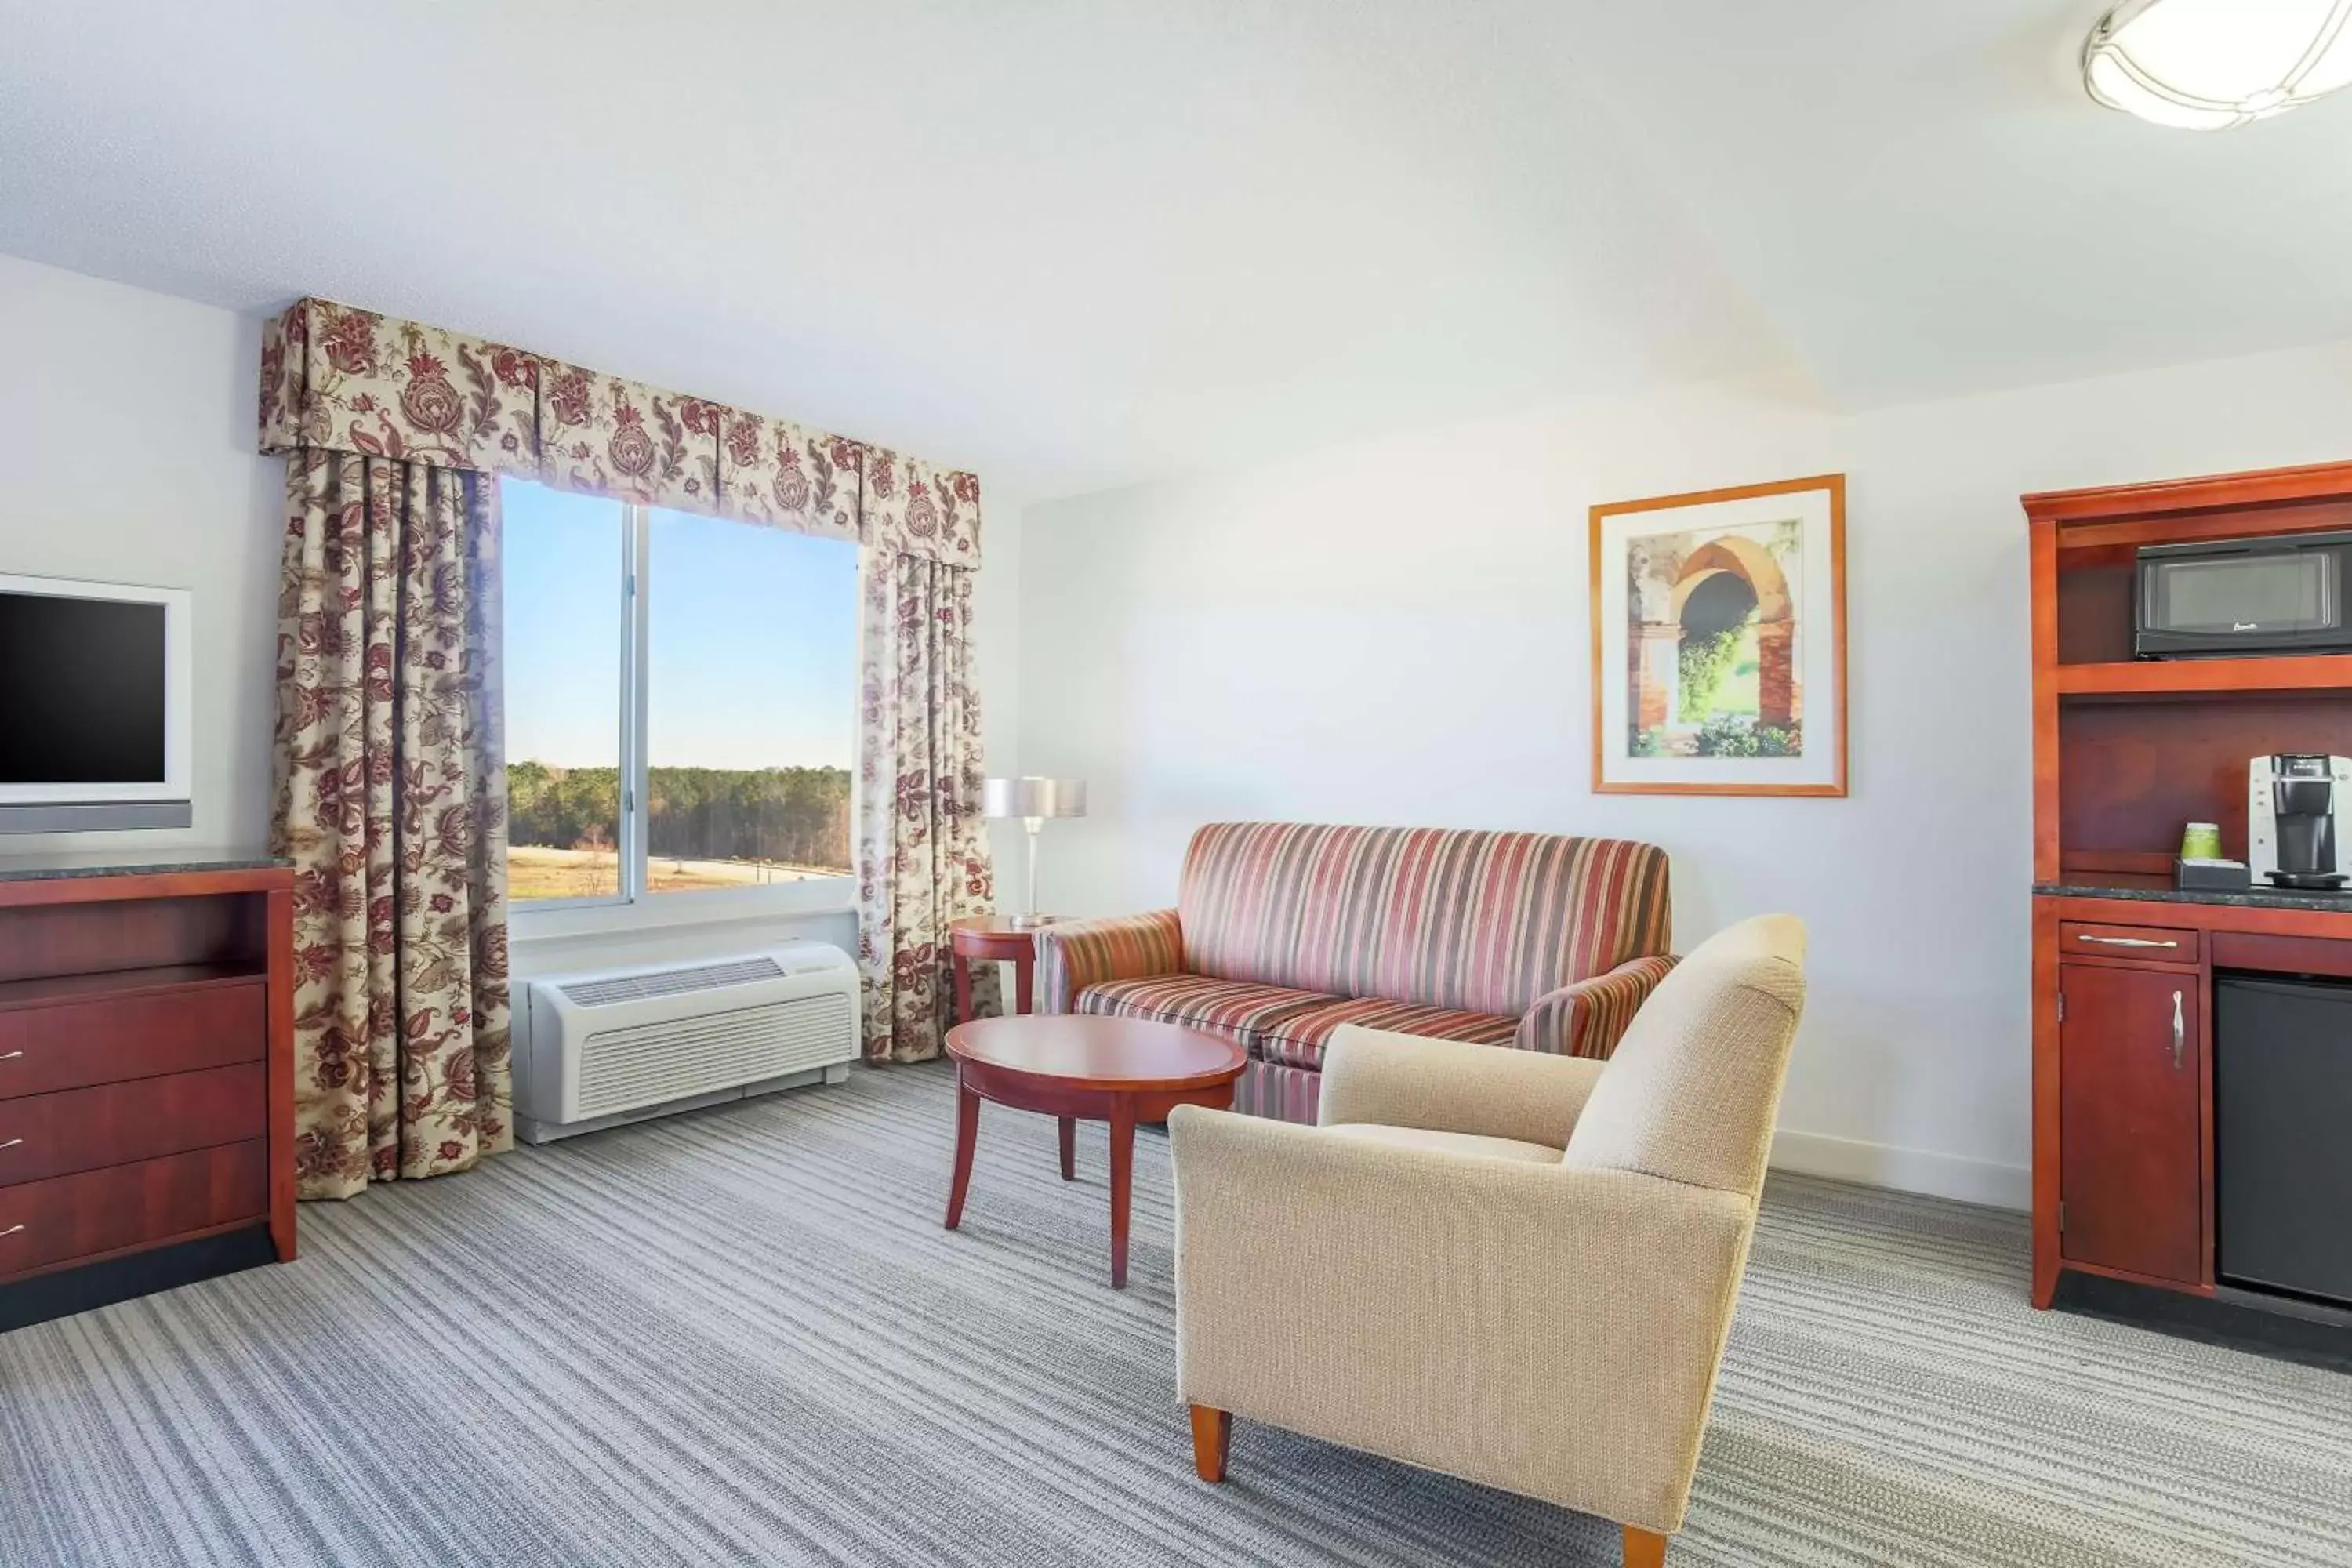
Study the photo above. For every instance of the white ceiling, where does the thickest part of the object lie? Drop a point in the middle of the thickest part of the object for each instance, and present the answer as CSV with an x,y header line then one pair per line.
x,y
1075,245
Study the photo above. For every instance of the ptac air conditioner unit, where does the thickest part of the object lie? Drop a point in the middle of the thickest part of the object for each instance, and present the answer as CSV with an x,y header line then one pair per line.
x,y
622,1045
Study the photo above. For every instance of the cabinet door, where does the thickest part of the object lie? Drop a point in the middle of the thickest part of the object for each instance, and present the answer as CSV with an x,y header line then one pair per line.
x,y
2130,1136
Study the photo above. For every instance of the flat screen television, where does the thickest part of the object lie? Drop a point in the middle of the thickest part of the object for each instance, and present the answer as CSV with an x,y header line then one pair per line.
x,y
95,724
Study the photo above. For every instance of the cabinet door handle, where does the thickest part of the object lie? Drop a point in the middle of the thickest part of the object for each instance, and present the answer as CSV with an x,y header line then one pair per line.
x,y
11,1144
2179,1032
10,1056
2122,940
11,1230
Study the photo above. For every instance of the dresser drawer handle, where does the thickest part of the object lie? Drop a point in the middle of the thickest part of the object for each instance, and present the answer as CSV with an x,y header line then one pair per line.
x,y
11,1230
2122,940
11,1144
10,1056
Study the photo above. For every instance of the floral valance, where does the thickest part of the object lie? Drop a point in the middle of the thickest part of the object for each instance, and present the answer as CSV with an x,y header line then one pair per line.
x,y
338,379
929,512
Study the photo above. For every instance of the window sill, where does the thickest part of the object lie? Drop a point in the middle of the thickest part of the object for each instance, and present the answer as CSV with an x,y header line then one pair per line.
x,y
670,911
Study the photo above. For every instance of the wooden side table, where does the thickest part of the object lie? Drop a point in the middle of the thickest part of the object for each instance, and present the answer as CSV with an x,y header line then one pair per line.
x,y
1076,1067
992,939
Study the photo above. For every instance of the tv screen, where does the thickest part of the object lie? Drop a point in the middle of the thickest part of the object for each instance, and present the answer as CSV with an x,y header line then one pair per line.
x,y
85,690
96,706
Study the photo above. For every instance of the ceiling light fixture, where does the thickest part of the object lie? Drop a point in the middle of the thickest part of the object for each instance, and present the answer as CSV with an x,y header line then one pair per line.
x,y
2210,65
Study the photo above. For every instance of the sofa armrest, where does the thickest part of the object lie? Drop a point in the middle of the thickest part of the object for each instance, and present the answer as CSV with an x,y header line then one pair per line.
x,y
1587,1018
1074,954
1551,1330
1451,1085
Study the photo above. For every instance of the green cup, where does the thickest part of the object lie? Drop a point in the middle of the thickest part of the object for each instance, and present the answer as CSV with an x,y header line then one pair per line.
x,y
2202,841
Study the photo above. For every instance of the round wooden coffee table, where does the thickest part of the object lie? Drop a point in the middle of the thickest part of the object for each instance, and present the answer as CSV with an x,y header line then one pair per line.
x,y
1077,1066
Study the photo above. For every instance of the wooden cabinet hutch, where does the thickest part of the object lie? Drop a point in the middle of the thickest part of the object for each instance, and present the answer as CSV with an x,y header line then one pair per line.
x,y
2127,752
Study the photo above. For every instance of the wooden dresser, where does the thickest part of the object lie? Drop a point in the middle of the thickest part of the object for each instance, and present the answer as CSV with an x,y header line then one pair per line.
x,y
146,1075
2125,753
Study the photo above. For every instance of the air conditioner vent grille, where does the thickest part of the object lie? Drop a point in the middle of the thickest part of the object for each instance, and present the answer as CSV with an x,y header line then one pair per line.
x,y
671,982
645,1064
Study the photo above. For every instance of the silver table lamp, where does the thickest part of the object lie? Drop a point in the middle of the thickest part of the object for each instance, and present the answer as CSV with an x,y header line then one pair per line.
x,y
1033,800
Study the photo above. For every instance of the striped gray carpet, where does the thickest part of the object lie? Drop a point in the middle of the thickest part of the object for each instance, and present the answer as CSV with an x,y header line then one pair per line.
x,y
740,1337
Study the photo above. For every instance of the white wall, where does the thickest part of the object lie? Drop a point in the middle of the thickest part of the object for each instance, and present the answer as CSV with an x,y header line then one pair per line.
x,y
1396,633
127,437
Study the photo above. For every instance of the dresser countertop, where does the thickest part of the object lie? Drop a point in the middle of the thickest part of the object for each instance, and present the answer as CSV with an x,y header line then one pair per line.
x,y
2160,890
158,862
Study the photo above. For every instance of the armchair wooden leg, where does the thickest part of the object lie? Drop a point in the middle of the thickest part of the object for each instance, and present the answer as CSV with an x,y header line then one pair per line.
x,y
1643,1549
1213,1439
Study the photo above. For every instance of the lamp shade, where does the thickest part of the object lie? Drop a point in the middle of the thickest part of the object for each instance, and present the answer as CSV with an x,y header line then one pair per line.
x,y
1033,797
2210,65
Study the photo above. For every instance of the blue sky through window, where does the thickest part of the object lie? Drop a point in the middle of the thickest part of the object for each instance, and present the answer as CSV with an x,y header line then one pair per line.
x,y
753,635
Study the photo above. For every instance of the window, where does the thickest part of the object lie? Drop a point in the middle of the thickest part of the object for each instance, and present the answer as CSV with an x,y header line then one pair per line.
x,y
567,628
681,701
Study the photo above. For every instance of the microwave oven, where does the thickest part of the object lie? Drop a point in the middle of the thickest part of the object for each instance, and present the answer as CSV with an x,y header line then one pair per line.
x,y
2285,593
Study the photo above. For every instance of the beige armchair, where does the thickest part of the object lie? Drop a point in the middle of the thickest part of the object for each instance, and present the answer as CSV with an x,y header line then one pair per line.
x,y
1512,1268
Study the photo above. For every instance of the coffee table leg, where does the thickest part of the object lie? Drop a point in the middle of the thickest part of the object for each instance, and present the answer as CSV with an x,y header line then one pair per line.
x,y
1122,1182
1069,1148
967,1134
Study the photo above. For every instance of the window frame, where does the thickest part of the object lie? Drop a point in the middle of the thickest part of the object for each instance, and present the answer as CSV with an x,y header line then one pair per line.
x,y
634,905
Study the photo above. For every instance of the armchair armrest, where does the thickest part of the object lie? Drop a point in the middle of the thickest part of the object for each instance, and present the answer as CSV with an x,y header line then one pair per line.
x,y
1586,1019
1076,954
1452,1085
1551,1331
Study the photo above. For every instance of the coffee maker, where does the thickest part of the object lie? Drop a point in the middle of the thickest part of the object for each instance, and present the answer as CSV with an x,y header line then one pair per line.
x,y
2292,801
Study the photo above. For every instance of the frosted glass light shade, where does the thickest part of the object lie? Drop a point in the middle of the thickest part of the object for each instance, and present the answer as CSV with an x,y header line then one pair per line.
x,y
2210,65
1033,797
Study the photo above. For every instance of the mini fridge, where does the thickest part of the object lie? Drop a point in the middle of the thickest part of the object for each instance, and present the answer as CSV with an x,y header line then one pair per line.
x,y
2282,1134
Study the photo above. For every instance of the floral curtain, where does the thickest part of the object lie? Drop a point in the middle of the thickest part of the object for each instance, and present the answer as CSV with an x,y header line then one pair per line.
x,y
923,852
387,667
391,800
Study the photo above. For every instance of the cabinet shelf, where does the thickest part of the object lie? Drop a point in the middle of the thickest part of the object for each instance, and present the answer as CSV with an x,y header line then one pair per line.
x,y
108,984
2306,672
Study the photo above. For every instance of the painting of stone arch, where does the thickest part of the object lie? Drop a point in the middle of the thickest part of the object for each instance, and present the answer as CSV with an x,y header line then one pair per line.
x,y
1715,615
1719,641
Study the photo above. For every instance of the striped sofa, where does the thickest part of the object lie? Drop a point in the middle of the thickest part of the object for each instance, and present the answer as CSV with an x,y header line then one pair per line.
x,y
1283,931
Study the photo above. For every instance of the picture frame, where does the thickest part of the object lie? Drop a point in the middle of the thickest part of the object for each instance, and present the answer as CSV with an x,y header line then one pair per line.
x,y
1719,641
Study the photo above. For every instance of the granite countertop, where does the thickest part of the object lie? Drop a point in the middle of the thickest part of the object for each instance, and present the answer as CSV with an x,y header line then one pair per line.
x,y
157,862
2159,890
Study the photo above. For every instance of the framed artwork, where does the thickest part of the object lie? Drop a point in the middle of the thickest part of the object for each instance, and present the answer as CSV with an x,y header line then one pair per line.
x,y
1718,642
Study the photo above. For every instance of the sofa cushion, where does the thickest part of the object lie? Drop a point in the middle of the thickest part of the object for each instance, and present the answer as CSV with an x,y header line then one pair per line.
x,y
1481,922
1278,1093
1277,1023
1236,1009
1298,1040
1470,1143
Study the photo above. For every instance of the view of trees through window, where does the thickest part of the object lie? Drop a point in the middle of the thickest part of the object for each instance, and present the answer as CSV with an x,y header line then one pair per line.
x,y
746,654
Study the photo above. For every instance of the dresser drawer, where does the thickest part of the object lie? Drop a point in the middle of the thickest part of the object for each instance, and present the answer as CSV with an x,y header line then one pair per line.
x,y
66,1045
69,1217
46,1135
2149,944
